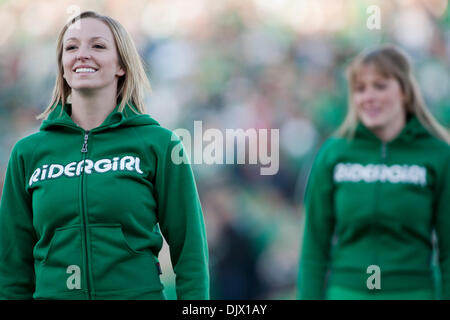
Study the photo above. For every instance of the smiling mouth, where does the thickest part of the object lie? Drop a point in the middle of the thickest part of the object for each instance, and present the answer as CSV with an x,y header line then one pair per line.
x,y
85,70
372,111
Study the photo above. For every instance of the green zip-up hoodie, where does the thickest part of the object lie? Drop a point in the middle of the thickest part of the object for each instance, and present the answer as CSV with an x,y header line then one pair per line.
x,y
82,213
372,203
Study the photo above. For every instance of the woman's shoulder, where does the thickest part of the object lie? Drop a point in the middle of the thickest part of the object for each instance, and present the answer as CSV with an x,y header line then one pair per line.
x,y
334,144
330,150
438,144
157,136
437,149
156,130
28,143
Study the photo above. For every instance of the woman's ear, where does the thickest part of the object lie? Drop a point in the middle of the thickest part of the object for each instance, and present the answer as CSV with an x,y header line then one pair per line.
x,y
406,95
120,71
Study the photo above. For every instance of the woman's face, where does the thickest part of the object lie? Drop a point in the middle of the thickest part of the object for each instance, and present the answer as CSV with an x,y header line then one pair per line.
x,y
90,59
378,99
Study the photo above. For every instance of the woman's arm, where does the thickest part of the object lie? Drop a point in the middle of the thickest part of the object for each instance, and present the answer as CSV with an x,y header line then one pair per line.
x,y
181,221
319,226
17,236
442,214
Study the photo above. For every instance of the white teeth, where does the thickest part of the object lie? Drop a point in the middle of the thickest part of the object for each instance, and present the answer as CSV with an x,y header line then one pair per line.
x,y
84,70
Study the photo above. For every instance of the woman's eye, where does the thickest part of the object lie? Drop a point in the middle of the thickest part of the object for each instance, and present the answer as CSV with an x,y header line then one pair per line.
x,y
99,46
359,88
380,86
70,48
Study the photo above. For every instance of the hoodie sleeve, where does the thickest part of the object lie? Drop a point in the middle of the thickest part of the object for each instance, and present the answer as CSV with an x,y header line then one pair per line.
x,y
442,214
319,226
16,234
181,221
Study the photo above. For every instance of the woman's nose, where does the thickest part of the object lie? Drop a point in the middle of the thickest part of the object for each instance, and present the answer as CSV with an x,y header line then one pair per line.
x,y
83,54
368,95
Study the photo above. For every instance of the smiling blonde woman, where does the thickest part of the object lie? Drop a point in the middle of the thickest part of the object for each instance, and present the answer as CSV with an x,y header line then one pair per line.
x,y
378,191
88,198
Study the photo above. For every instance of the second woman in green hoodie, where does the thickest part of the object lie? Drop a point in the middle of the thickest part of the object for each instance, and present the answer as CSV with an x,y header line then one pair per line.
x,y
377,196
88,198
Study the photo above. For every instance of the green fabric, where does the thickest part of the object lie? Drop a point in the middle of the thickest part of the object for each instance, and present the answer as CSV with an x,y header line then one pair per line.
x,y
342,293
373,203
99,216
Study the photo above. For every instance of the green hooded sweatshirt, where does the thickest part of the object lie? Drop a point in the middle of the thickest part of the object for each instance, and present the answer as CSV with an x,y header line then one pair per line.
x,y
82,212
371,208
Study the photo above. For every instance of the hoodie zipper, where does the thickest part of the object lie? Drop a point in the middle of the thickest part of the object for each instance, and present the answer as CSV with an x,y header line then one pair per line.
x,y
383,153
84,216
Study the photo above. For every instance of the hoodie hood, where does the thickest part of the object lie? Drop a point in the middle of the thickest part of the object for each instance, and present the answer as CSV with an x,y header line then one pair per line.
x,y
413,130
60,117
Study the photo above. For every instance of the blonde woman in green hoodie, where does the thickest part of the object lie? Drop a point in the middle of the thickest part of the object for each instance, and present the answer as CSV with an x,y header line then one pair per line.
x,y
378,192
88,198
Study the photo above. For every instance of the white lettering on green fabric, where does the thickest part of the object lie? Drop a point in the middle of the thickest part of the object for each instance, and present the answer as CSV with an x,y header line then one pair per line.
x,y
355,172
88,166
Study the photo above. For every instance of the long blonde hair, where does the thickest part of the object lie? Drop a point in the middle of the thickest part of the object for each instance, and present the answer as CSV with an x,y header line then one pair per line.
x,y
390,61
131,87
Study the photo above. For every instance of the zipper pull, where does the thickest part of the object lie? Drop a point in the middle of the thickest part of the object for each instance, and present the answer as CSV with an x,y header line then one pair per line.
x,y
85,144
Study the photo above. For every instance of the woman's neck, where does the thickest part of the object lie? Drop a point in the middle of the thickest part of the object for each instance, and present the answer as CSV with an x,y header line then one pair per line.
x,y
390,131
89,110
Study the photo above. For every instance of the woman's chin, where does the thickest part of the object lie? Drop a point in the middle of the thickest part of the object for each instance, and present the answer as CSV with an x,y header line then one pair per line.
x,y
372,124
86,89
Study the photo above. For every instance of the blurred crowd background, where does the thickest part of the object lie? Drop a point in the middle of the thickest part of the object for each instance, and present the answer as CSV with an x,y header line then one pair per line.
x,y
235,64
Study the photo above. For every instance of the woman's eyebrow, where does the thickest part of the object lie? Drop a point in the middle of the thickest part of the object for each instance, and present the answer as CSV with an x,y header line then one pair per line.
x,y
91,39
102,38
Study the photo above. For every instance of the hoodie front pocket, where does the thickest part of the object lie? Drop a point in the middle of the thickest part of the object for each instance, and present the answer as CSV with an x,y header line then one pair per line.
x,y
116,265
61,269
